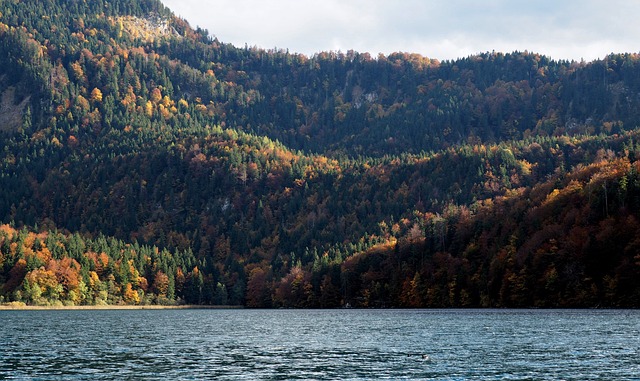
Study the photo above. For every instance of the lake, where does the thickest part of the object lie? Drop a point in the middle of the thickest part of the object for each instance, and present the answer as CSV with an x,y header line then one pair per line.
x,y
320,344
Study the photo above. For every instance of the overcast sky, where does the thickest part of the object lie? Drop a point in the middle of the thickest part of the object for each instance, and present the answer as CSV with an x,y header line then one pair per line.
x,y
442,29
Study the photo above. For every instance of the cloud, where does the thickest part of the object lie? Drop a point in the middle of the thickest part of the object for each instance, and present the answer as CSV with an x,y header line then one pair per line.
x,y
568,29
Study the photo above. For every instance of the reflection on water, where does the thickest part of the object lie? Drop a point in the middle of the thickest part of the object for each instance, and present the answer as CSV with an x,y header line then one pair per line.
x,y
323,345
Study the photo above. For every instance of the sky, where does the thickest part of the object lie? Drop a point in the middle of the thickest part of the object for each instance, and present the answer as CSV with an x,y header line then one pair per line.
x,y
441,29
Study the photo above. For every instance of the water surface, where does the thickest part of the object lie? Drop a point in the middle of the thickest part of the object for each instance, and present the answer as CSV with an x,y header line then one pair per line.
x,y
320,345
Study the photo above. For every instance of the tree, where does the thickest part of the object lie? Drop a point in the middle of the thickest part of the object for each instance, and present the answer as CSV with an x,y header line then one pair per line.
x,y
258,295
161,284
96,95
220,297
130,295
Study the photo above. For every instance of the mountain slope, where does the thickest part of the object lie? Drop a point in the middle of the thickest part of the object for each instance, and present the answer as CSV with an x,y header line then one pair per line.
x,y
264,171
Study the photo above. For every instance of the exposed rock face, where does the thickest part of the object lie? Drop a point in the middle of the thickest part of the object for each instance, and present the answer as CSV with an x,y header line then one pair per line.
x,y
11,113
148,28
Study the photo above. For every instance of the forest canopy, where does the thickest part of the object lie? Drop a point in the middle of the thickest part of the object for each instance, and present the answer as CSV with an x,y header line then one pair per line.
x,y
144,161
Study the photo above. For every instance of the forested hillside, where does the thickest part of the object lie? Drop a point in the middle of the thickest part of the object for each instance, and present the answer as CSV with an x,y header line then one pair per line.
x,y
144,161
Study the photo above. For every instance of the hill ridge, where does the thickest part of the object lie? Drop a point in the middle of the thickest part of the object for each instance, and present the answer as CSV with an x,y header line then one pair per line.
x,y
266,178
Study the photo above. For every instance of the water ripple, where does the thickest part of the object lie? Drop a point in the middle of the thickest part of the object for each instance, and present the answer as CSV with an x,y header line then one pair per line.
x,y
320,345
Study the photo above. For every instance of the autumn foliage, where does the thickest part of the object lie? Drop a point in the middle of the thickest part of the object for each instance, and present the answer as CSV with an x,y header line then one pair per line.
x,y
145,161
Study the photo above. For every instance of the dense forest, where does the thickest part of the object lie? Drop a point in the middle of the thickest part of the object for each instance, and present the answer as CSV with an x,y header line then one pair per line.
x,y
143,161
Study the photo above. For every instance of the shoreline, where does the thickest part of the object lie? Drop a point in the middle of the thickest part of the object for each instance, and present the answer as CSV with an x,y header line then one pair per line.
x,y
115,307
